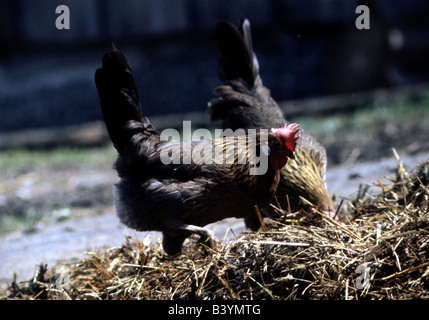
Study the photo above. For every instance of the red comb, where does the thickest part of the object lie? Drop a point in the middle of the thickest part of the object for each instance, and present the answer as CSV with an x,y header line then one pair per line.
x,y
288,134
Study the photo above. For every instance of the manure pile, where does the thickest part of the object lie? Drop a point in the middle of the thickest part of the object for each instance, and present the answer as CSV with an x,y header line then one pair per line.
x,y
381,251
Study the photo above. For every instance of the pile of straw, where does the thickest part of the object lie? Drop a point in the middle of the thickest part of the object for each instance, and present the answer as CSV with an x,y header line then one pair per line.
x,y
380,252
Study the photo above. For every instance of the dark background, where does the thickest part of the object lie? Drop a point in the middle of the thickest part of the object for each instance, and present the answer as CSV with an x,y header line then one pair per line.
x,y
305,49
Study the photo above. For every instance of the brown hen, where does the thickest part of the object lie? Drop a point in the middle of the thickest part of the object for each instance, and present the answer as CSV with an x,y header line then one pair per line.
x,y
179,187
244,102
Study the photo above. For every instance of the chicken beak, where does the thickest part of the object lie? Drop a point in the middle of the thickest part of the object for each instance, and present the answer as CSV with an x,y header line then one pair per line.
x,y
332,214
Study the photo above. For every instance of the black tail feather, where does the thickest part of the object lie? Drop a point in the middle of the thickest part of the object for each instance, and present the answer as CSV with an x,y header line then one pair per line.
x,y
119,98
243,101
237,59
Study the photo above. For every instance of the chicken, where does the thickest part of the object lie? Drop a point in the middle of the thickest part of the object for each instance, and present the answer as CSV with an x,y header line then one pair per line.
x,y
172,186
244,102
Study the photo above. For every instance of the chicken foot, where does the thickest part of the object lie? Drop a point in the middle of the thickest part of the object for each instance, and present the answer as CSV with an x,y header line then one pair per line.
x,y
173,238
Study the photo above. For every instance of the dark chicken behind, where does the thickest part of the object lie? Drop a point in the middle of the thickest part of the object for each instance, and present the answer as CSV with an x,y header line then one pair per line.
x,y
179,198
244,102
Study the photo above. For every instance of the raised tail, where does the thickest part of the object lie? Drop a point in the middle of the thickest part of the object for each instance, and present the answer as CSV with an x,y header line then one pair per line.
x,y
119,100
243,101
237,59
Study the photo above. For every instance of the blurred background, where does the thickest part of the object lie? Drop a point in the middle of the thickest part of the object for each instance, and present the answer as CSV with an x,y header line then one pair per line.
x,y
305,48
360,92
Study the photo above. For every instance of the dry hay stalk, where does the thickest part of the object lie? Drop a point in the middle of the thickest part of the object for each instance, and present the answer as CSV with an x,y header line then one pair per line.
x,y
380,253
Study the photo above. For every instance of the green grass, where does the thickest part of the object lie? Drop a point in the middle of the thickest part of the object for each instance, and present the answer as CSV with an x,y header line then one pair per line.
x,y
19,161
381,113
10,224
